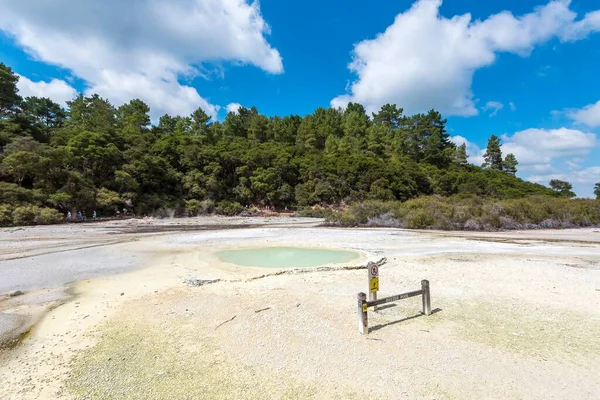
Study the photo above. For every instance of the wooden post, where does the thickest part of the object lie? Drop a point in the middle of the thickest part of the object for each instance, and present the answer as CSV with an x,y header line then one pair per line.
x,y
363,324
426,297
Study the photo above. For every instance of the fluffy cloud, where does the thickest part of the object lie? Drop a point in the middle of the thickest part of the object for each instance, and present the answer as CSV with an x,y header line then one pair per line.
x,y
494,107
582,178
425,60
578,176
588,115
56,90
125,49
233,107
542,146
545,154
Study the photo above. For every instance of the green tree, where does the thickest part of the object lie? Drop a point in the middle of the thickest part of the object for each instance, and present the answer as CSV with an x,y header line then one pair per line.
x,y
510,164
43,116
21,159
562,187
493,154
460,155
9,97
597,190
389,116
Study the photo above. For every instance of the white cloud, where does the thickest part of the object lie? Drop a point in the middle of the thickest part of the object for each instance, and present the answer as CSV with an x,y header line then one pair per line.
x,y
126,49
512,106
583,179
545,154
57,90
494,106
233,107
425,60
588,115
534,147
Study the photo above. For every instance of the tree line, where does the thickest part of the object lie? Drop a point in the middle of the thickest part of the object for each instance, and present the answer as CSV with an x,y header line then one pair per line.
x,y
95,156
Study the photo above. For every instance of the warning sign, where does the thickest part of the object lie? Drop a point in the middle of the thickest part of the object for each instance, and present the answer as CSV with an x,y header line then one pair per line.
x,y
374,271
374,284
364,307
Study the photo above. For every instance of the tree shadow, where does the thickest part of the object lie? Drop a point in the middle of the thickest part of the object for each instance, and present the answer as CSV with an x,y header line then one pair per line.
x,y
381,326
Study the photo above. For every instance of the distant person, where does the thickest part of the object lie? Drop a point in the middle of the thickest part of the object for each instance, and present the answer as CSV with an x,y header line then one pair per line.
x,y
79,216
94,215
124,212
69,216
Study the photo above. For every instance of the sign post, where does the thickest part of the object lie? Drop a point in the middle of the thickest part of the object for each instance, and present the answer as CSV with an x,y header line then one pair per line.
x,y
363,324
363,304
373,281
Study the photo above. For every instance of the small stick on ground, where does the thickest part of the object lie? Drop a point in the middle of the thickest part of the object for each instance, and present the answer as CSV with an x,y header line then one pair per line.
x,y
262,309
223,323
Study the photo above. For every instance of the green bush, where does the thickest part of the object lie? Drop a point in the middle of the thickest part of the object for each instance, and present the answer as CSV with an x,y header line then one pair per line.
x,y
308,212
24,215
473,213
419,219
362,212
207,207
229,208
193,206
5,215
47,216
346,219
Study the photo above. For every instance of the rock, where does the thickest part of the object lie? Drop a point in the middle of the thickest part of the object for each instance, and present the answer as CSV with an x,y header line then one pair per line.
x,y
122,294
16,293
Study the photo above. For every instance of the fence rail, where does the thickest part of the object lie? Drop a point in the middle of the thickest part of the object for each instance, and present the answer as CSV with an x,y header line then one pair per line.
x,y
363,304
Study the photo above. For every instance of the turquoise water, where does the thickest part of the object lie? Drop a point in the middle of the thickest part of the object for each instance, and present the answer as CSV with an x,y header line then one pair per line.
x,y
285,257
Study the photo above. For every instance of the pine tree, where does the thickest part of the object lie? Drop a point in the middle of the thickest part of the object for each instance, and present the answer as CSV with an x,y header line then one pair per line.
x,y
510,164
597,190
493,154
460,155
9,96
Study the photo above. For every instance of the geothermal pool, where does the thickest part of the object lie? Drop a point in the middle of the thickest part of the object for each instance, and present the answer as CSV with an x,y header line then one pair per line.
x,y
286,257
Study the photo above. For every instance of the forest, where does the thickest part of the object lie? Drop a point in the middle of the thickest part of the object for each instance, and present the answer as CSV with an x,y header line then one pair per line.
x,y
93,156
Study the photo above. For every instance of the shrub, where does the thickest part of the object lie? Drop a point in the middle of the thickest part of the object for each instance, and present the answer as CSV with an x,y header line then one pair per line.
x,y
419,219
346,219
193,206
474,213
385,220
308,212
229,208
472,225
361,212
207,207
24,215
47,216
5,215
509,223
11,193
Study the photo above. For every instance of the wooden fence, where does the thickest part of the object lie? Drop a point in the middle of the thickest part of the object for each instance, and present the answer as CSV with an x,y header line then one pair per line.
x,y
363,304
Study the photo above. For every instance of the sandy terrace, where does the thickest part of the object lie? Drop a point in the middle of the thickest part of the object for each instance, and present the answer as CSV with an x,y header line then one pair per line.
x,y
517,316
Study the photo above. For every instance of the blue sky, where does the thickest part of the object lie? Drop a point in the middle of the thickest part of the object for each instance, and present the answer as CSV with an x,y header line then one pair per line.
x,y
523,70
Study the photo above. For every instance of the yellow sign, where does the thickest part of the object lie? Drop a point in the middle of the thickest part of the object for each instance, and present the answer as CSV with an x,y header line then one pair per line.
x,y
374,284
365,307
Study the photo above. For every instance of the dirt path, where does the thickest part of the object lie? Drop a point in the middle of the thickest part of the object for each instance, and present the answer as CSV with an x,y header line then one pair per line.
x,y
513,320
